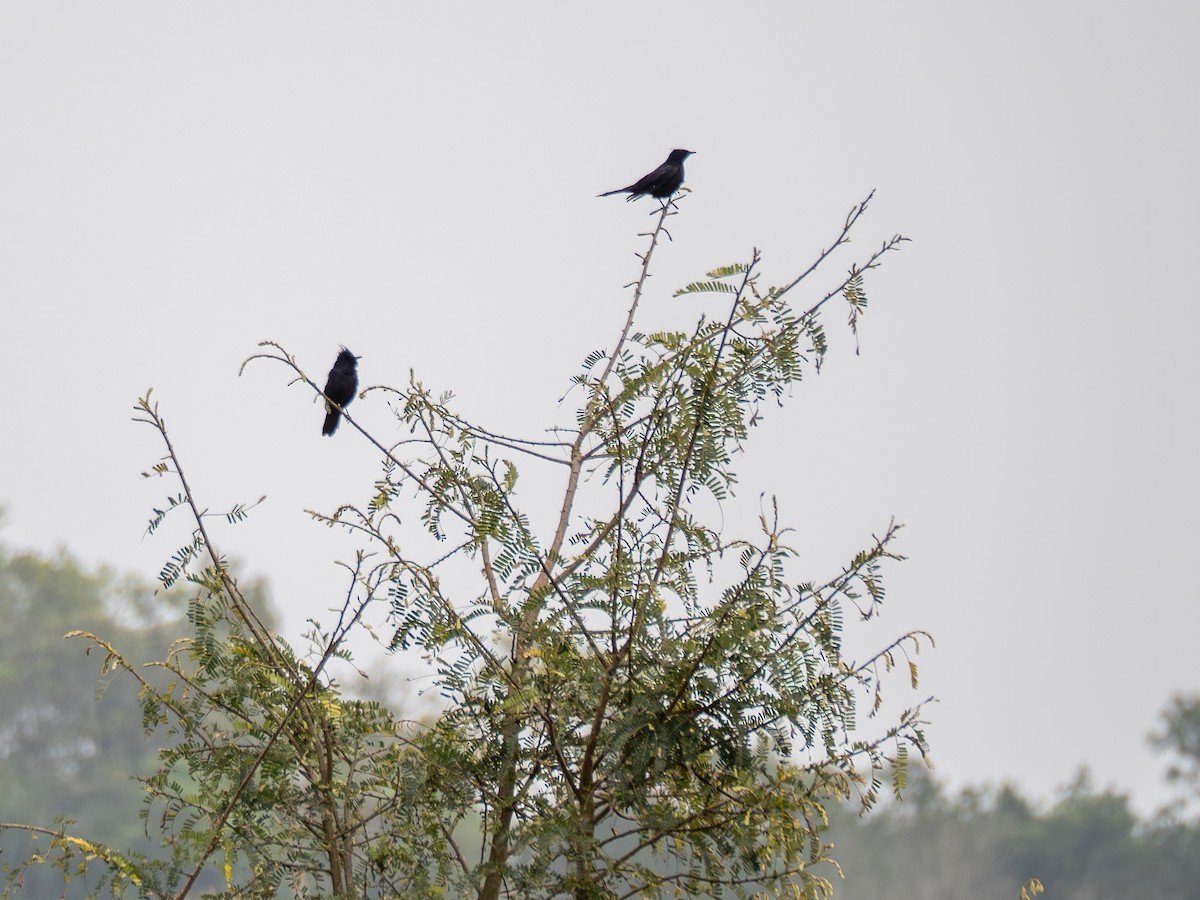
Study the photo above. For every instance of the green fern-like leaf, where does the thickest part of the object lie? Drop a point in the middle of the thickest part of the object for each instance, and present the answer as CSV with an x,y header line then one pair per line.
x,y
698,287
728,271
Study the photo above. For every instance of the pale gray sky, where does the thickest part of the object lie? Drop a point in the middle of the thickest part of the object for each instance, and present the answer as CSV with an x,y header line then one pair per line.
x,y
178,182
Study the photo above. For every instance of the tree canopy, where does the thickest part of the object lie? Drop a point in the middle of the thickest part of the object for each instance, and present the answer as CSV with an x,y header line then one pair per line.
x,y
636,703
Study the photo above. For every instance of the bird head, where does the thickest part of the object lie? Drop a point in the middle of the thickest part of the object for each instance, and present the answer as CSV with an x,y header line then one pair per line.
x,y
678,156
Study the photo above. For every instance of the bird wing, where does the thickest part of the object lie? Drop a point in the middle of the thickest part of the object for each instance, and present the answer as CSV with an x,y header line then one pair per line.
x,y
646,183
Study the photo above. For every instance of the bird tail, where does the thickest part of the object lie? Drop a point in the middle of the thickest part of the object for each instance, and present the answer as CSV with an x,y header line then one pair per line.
x,y
610,193
333,415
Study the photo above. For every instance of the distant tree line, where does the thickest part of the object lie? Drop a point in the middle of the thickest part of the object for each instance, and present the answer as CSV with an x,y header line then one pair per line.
x,y
1087,844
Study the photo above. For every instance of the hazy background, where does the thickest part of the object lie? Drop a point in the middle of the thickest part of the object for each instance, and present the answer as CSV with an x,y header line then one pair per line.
x,y
178,182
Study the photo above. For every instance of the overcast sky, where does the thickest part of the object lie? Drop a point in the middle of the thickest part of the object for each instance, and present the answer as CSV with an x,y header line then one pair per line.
x,y
179,182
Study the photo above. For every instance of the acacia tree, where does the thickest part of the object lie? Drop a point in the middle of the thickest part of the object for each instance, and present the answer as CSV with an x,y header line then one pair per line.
x,y
667,712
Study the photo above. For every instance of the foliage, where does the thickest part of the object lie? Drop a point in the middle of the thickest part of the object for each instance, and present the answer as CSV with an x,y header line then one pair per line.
x,y
1180,736
1085,845
636,704
68,742
63,755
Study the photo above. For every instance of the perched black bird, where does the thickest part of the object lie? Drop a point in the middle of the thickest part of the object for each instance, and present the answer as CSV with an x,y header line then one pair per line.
x,y
339,389
661,183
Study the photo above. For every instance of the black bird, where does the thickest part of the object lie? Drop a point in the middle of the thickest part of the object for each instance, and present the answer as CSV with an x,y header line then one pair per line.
x,y
661,183
339,389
